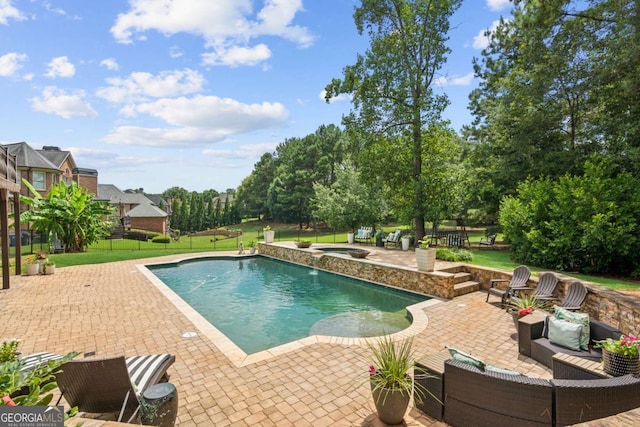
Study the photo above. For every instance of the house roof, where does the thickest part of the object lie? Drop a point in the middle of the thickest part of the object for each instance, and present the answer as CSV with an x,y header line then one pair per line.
x,y
146,211
27,157
56,156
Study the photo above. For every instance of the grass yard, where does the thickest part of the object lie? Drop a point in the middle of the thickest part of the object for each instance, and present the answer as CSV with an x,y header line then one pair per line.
x,y
120,250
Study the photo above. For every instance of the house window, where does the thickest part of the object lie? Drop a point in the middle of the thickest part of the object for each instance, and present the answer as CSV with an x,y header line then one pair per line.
x,y
38,181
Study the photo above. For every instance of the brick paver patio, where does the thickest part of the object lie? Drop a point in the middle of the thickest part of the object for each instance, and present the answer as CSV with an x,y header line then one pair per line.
x,y
113,309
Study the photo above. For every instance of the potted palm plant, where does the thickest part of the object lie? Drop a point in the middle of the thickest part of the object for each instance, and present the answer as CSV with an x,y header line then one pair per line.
x,y
390,378
523,305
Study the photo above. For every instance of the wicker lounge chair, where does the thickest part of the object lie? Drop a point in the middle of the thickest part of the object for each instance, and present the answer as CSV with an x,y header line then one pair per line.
x,y
111,385
518,282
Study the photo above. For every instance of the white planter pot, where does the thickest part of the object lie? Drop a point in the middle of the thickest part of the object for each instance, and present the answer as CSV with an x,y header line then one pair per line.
x,y
426,259
252,250
269,235
351,237
405,243
32,269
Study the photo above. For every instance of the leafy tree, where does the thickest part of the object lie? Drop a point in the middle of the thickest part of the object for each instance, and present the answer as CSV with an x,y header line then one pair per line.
x,y
69,212
391,84
252,193
558,83
348,202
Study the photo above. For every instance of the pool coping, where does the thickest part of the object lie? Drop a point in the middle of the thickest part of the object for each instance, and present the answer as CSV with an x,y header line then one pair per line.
x,y
236,355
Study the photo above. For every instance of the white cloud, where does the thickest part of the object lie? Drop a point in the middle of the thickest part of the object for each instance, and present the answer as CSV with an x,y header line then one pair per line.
x,y
60,67
246,151
110,64
481,41
8,11
11,63
66,105
142,86
58,11
339,98
175,52
455,80
237,55
497,5
107,160
197,121
224,25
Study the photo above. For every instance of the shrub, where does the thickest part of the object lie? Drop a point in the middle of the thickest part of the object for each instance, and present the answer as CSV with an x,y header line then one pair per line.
x,y
161,239
454,255
585,223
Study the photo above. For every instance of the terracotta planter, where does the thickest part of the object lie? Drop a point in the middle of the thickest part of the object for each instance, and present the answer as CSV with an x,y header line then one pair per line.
x,y
390,404
426,259
618,364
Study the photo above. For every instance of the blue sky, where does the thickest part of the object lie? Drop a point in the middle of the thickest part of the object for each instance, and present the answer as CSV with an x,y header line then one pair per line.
x,y
161,93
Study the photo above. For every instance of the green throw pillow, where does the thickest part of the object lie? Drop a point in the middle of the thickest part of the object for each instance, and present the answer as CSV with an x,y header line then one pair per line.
x,y
578,318
490,368
461,356
565,333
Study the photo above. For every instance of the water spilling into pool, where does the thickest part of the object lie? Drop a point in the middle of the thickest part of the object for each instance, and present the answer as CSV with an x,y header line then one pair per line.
x,y
261,303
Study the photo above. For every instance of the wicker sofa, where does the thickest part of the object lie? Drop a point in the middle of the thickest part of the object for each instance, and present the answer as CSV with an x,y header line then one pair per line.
x,y
532,343
473,397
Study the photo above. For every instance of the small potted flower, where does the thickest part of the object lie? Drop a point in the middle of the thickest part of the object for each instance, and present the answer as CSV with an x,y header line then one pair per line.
x,y
621,356
523,305
31,265
390,378
252,246
48,267
269,234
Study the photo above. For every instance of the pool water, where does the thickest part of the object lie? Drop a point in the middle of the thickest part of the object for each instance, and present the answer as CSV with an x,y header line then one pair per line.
x,y
260,303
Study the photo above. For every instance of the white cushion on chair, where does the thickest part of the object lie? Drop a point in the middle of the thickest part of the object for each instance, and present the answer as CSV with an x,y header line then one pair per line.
x,y
143,370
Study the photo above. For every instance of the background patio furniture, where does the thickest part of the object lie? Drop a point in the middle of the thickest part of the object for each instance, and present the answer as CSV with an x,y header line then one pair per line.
x,y
519,279
488,243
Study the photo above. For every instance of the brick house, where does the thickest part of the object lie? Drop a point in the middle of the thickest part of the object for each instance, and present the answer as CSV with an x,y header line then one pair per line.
x,y
135,210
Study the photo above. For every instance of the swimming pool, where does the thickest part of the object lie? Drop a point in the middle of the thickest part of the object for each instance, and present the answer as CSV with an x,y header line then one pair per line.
x,y
260,303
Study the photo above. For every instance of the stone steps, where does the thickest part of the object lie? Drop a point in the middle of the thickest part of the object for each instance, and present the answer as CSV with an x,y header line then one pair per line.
x,y
466,287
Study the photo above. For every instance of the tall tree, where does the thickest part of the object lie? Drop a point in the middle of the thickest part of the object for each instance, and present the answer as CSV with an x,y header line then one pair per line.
x,y
391,83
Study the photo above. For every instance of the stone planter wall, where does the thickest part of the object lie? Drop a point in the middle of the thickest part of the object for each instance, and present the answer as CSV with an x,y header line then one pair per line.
x,y
437,283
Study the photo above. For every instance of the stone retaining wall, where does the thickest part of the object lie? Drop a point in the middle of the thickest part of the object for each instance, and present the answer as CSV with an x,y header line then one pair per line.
x,y
606,305
439,284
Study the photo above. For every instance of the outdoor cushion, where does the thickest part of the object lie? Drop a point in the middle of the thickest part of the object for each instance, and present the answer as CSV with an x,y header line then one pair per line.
x,y
491,368
577,318
463,357
564,333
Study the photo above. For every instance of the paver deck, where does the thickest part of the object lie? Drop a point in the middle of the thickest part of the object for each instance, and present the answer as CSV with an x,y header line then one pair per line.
x,y
113,309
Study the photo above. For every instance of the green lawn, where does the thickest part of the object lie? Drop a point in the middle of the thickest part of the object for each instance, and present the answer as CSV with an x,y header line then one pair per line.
x,y
119,250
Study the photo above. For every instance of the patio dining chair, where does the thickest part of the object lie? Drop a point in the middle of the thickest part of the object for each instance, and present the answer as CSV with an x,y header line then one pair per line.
x,y
111,385
518,281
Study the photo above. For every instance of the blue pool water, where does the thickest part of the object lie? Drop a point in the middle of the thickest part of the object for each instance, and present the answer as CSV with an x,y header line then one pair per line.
x,y
261,303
